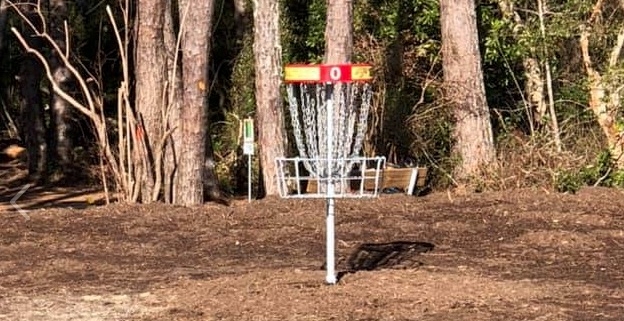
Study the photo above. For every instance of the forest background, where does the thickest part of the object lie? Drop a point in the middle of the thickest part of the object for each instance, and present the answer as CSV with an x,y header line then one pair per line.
x,y
551,69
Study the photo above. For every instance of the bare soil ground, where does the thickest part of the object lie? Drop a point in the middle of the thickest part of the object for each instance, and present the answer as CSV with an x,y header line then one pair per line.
x,y
517,255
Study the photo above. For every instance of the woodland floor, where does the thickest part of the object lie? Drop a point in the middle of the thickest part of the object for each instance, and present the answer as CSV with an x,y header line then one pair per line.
x,y
517,255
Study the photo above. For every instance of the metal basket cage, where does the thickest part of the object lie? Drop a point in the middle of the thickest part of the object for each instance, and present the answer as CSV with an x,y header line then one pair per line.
x,y
357,177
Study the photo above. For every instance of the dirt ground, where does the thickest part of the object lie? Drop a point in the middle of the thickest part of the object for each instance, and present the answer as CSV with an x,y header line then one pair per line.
x,y
517,255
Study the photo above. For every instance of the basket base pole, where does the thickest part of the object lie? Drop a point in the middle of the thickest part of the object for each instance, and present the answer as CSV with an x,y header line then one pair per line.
x,y
330,242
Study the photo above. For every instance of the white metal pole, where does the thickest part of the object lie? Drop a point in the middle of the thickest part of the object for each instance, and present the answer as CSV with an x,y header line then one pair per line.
x,y
249,178
330,266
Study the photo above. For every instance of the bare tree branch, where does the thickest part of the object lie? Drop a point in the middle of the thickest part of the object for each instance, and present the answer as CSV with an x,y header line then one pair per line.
x,y
89,113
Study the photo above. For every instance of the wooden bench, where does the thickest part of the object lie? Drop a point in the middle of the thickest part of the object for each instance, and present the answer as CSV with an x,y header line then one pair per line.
x,y
406,179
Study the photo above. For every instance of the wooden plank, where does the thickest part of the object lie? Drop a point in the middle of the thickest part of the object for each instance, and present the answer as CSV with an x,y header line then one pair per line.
x,y
406,179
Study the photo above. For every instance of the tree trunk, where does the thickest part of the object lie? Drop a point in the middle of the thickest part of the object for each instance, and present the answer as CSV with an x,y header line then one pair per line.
x,y
151,77
537,74
4,10
212,191
240,17
31,109
339,31
338,49
534,89
604,92
534,83
174,74
196,35
60,140
269,110
465,90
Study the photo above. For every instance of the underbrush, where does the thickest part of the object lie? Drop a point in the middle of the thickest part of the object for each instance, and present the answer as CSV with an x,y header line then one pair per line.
x,y
600,172
525,161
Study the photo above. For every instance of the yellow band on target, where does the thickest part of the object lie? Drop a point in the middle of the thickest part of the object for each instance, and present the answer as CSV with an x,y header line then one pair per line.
x,y
361,73
302,73
327,73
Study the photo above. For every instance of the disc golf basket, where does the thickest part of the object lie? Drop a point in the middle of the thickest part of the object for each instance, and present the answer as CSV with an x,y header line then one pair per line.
x,y
329,107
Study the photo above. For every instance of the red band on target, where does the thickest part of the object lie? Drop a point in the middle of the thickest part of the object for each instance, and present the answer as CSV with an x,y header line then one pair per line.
x,y
327,73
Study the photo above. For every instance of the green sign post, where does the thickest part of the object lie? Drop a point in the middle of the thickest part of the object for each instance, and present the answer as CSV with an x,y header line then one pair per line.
x,y
248,149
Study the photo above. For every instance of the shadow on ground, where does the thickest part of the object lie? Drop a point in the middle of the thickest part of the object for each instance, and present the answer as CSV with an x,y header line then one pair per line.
x,y
373,256
41,196
390,255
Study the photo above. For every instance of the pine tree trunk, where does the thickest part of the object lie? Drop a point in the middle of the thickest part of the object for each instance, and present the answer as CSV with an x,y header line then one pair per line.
x,y
339,31
31,108
196,35
151,77
465,90
338,48
269,110
60,111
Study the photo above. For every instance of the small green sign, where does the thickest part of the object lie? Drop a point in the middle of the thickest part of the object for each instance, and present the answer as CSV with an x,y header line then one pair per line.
x,y
248,130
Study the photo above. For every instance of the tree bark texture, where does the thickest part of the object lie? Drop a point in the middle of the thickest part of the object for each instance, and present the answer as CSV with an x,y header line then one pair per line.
x,y
604,93
151,77
339,31
269,109
60,110
193,163
4,10
465,90
174,141
31,108
338,44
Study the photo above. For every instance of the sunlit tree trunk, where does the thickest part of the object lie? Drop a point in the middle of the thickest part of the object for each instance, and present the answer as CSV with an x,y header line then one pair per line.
x,y
604,92
269,111
194,167
60,111
151,81
339,42
465,90
31,109
339,31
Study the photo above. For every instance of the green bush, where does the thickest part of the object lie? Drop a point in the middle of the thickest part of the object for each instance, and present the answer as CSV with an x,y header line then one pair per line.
x,y
602,172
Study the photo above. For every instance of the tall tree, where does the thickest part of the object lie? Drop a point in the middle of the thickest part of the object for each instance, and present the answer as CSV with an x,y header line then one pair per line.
x,y
31,108
465,90
173,143
195,168
4,14
534,87
269,112
60,140
151,72
605,91
339,31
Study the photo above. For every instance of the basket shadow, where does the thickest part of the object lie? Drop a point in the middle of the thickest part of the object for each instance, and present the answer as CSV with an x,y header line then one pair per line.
x,y
391,255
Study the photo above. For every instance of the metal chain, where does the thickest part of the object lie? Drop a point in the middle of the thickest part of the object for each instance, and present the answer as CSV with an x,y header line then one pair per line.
x,y
294,115
365,103
308,109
